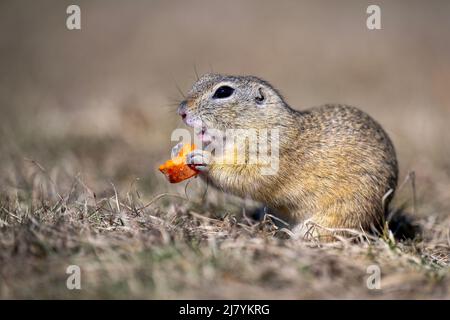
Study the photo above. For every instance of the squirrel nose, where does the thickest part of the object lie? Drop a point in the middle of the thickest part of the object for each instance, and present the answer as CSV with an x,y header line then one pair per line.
x,y
182,110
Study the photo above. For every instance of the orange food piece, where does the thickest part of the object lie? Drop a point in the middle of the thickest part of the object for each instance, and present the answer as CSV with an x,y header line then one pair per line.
x,y
176,169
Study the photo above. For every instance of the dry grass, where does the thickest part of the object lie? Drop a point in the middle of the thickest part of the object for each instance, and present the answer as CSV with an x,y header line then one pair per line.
x,y
174,247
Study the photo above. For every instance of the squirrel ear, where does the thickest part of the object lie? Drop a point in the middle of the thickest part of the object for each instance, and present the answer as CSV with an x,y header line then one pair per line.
x,y
260,97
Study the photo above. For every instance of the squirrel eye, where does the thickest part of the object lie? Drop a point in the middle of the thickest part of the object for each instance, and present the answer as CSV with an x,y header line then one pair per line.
x,y
223,92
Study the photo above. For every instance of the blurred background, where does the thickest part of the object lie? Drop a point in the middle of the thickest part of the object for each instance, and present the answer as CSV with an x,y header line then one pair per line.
x,y
99,103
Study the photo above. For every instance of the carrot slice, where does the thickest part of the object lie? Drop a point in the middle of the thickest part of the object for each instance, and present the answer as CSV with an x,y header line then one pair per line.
x,y
176,169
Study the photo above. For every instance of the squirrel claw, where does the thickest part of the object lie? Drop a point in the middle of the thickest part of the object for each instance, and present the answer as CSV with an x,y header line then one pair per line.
x,y
199,159
176,150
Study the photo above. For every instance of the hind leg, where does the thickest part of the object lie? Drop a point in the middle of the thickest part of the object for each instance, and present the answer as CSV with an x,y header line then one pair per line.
x,y
330,225
312,230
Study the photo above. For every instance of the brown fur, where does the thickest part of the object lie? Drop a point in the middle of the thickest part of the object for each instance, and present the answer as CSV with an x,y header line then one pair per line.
x,y
336,162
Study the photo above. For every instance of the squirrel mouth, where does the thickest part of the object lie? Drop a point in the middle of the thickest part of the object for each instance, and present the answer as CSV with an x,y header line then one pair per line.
x,y
200,130
202,133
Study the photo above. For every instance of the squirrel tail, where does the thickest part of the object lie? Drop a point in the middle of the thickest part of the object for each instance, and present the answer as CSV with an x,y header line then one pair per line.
x,y
402,224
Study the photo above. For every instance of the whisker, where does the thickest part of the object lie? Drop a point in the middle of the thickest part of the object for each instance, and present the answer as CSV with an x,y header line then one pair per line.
x,y
196,73
180,91
211,69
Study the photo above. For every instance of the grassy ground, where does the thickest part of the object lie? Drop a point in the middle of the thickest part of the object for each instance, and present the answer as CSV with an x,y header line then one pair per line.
x,y
128,249
189,245
86,118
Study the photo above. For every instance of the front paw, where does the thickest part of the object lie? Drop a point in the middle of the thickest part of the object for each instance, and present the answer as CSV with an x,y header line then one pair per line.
x,y
199,159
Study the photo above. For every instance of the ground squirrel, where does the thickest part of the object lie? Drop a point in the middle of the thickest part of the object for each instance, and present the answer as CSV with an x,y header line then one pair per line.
x,y
337,166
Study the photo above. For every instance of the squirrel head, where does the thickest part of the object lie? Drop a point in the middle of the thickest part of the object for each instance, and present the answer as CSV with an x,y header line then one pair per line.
x,y
233,102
